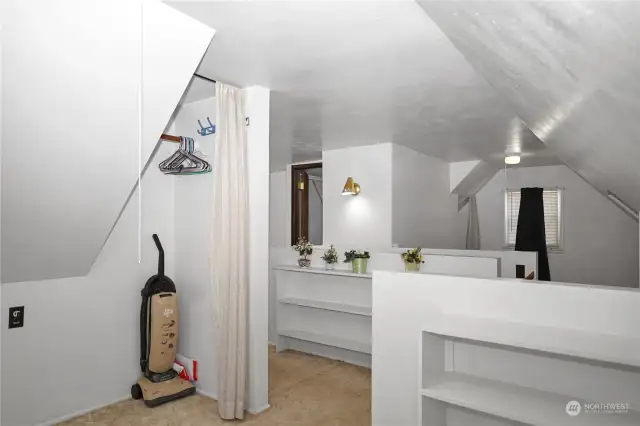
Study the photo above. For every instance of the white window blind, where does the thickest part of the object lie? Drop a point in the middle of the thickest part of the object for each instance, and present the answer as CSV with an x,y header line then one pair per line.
x,y
551,199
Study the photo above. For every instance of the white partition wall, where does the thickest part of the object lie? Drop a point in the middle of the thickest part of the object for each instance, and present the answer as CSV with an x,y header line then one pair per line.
x,y
449,351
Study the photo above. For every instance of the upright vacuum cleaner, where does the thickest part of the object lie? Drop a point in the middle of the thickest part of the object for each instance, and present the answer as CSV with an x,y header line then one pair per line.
x,y
159,341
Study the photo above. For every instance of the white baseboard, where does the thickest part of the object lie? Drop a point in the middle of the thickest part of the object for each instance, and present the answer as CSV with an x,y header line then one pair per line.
x,y
259,410
213,396
124,398
207,394
82,412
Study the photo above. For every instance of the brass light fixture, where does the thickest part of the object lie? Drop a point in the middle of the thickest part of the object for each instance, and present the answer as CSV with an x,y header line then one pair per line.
x,y
350,187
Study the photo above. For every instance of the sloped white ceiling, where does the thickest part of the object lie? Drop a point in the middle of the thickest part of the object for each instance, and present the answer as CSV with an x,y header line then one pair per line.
x,y
569,70
71,73
356,73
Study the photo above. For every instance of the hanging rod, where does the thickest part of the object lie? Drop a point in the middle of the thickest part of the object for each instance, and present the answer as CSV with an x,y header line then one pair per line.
x,y
204,78
169,138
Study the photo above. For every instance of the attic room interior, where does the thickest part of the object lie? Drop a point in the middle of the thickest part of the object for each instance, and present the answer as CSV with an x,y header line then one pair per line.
x,y
385,213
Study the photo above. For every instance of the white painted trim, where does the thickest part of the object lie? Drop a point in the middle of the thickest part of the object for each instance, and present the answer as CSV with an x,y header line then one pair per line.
x,y
323,339
311,270
259,410
82,412
215,397
207,394
327,306
301,163
124,398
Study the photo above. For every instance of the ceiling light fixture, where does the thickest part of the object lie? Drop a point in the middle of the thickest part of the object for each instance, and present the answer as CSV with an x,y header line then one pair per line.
x,y
350,187
512,159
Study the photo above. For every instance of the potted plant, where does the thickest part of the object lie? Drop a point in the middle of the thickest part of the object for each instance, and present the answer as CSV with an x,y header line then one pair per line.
x,y
330,258
358,260
304,249
412,259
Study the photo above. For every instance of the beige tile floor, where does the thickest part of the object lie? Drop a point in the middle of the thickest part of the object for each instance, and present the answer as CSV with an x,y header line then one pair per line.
x,y
303,390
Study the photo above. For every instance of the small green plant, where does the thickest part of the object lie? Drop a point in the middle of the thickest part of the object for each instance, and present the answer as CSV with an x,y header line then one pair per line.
x,y
330,256
353,254
303,247
412,256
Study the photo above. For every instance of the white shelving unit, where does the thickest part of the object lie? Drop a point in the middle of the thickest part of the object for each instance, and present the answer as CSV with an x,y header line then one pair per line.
x,y
329,306
324,312
337,342
443,387
322,271
573,343
516,403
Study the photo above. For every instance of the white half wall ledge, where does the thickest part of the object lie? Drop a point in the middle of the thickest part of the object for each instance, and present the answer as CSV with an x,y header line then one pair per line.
x,y
594,318
75,80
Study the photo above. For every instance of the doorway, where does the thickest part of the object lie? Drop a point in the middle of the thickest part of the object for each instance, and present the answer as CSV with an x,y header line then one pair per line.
x,y
306,203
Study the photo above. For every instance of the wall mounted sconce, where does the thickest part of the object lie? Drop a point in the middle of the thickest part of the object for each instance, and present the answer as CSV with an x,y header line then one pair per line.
x,y
350,187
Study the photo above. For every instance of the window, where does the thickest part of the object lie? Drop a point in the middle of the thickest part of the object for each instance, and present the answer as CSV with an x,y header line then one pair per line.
x,y
552,200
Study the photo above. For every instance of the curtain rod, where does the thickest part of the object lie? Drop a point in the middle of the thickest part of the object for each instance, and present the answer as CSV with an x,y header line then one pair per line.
x,y
204,78
171,138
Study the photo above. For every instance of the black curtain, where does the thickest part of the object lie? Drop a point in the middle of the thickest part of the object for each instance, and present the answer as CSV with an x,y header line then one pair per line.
x,y
530,235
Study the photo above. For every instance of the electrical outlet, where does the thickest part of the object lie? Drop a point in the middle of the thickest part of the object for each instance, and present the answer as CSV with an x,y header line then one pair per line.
x,y
16,317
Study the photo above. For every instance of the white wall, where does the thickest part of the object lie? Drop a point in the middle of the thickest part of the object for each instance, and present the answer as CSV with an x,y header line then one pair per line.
x,y
79,347
423,208
258,163
600,241
458,171
364,221
82,133
279,205
1,103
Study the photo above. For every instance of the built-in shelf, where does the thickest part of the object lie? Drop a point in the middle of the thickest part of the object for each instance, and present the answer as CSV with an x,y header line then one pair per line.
x,y
339,272
517,403
327,340
574,343
329,306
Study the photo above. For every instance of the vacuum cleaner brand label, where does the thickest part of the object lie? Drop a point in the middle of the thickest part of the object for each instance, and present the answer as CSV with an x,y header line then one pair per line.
x,y
168,312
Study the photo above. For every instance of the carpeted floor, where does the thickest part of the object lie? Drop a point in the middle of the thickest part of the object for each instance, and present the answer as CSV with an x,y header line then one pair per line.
x,y
303,390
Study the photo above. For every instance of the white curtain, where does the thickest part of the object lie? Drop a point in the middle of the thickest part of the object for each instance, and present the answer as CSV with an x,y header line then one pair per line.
x,y
229,248
473,225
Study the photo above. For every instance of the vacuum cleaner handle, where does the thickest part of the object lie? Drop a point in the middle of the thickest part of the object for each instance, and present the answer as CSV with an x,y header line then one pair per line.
x,y
160,255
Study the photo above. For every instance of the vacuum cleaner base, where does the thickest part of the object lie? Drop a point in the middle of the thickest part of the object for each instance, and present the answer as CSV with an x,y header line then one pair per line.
x,y
158,393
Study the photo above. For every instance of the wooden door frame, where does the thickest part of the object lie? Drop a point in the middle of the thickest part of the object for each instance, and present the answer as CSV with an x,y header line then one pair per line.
x,y
296,168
